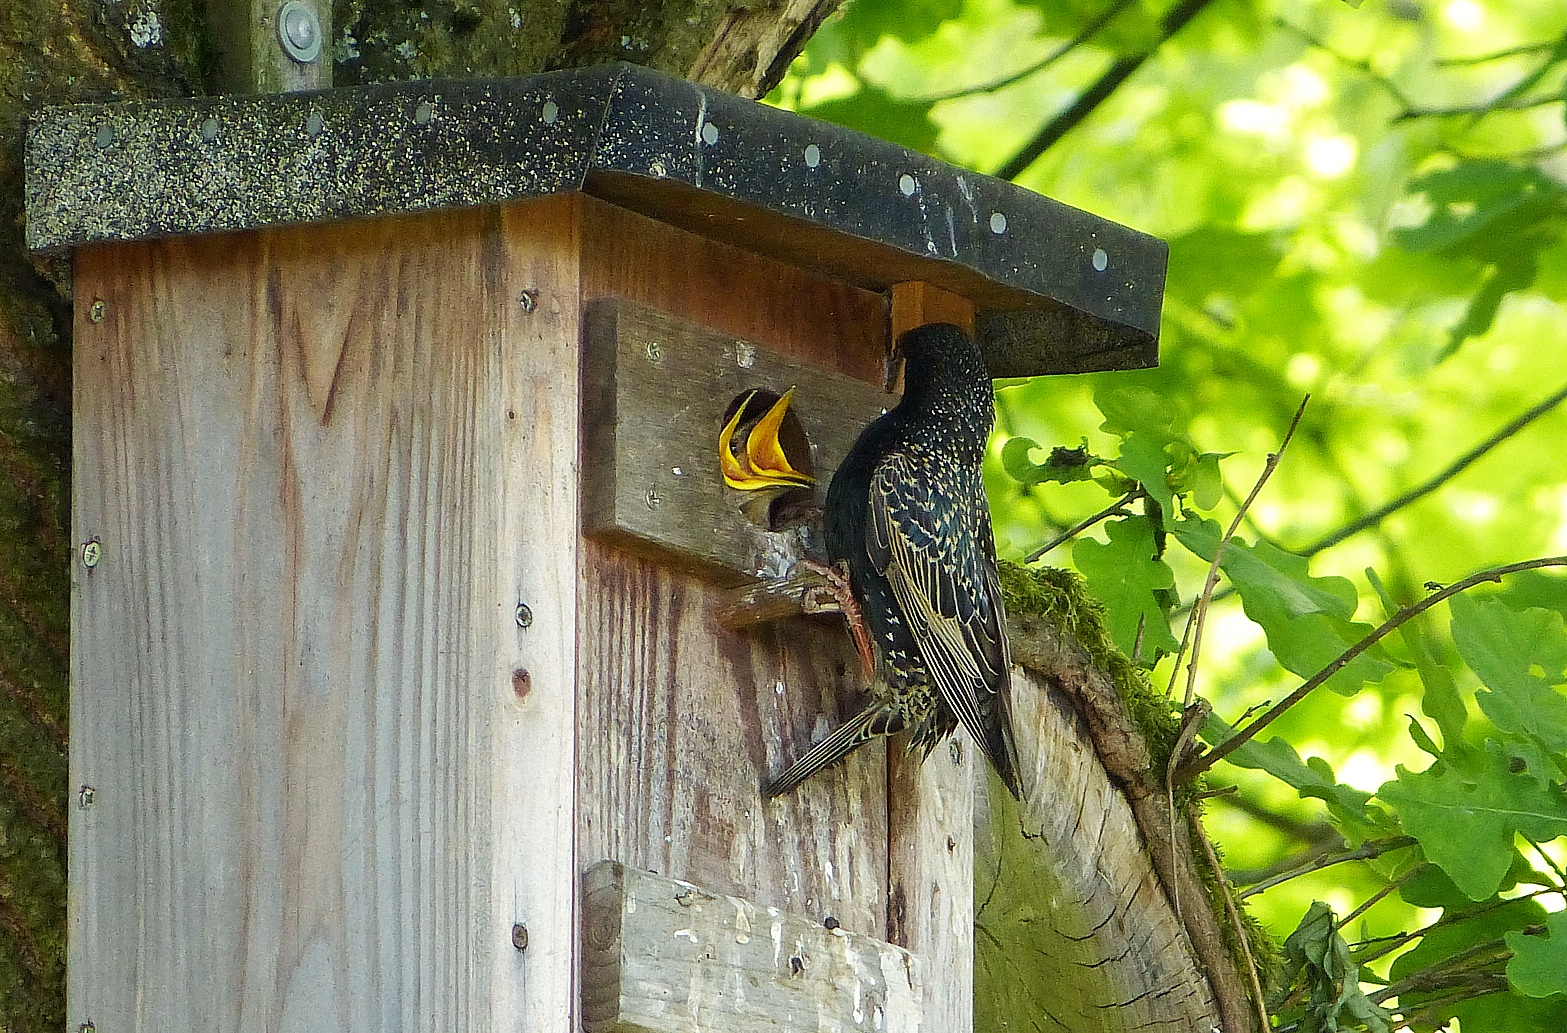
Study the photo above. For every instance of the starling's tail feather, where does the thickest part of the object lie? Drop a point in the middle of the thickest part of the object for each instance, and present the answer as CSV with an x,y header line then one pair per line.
x,y
875,720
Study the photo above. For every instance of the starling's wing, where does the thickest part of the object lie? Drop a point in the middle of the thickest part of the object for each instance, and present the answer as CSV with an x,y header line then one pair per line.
x,y
929,535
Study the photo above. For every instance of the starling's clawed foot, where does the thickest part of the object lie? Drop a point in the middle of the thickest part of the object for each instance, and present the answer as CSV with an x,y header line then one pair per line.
x,y
837,578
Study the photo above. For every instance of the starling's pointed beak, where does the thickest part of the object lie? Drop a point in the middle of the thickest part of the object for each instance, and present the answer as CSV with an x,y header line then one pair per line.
x,y
894,368
762,462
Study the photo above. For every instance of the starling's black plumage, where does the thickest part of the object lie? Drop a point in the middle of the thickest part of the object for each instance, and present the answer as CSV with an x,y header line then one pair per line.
x,y
906,512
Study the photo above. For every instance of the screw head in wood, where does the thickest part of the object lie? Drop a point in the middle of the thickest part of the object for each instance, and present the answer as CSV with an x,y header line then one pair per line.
x,y
519,936
299,31
654,497
529,300
92,552
84,797
524,616
96,311
655,352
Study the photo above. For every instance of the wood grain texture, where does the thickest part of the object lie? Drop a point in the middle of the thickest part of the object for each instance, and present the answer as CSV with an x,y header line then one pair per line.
x,y
664,956
681,719
931,873
292,670
916,302
1075,929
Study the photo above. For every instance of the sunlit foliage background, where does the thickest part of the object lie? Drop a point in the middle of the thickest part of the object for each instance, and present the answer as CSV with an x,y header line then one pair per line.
x,y
1363,203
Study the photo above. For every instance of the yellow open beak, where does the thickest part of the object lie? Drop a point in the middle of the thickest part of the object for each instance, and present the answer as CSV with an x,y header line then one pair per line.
x,y
764,463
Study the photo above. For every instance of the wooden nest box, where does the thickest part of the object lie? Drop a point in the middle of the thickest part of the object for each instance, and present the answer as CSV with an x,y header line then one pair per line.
x,y
400,694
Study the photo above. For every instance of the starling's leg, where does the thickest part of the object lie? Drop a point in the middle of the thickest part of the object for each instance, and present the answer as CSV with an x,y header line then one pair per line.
x,y
837,578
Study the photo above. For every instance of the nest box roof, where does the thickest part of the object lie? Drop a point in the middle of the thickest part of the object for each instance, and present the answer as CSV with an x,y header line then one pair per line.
x,y
1056,289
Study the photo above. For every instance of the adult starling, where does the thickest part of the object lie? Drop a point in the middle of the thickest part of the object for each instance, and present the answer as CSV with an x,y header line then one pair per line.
x,y
906,515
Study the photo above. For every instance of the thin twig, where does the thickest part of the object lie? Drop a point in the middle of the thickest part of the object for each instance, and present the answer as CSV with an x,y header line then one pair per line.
x,y
1499,55
1521,104
1372,900
1088,32
1388,944
1199,615
1199,765
1107,83
1359,64
1364,852
1115,508
1453,469
1236,926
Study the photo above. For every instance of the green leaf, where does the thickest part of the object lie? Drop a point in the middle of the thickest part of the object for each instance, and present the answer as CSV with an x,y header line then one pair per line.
x,y
1063,466
1465,926
1143,459
1514,273
1304,617
1441,700
1124,575
1539,964
1317,956
1129,409
1519,655
1312,778
1466,811
1470,198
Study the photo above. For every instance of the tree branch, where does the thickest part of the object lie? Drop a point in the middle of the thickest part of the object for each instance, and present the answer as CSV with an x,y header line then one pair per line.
x,y
1200,764
1087,33
1521,104
1113,509
1453,469
1102,88
1364,852
1199,615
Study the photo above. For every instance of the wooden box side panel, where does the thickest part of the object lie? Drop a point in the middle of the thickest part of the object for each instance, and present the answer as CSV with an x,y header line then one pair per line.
x,y
681,719
293,687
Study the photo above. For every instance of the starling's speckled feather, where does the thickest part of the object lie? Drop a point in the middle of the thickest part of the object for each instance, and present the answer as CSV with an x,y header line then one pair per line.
x,y
906,511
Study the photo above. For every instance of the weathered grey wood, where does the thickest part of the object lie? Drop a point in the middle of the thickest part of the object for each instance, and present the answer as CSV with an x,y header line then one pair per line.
x,y
681,720
1075,929
664,956
931,873
657,391
324,465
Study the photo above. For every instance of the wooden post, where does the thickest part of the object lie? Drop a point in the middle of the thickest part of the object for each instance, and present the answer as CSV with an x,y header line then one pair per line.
x,y
272,46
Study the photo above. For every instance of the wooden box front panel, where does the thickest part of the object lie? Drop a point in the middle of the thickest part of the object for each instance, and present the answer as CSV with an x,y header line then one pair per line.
x,y
681,719
329,770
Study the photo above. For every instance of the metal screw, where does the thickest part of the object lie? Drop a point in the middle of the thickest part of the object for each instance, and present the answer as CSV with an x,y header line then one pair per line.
x,y
524,616
529,300
86,1027
655,353
956,749
653,498
84,797
97,310
519,936
92,552
299,31
831,923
